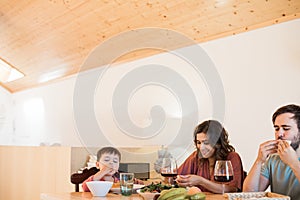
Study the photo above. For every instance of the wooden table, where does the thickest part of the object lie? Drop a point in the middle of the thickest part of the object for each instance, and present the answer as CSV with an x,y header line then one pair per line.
x,y
109,196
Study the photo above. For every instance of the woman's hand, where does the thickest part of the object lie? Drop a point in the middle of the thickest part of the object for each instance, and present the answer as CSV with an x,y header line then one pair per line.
x,y
188,180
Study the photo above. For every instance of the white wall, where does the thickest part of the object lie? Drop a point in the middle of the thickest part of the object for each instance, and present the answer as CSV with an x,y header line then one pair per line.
x,y
260,72
44,115
6,117
259,69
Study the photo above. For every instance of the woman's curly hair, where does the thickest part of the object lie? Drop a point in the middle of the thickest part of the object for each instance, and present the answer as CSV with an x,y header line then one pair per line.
x,y
217,137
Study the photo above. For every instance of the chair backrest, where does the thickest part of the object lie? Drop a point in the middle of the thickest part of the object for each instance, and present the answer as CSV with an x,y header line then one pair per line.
x,y
244,176
78,178
141,170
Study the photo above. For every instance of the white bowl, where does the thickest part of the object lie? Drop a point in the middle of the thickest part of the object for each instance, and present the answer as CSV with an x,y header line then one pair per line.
x,y
147,195
99,188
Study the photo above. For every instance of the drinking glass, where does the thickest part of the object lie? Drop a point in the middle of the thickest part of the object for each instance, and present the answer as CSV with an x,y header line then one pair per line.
x,y
169,170
223,172
126,183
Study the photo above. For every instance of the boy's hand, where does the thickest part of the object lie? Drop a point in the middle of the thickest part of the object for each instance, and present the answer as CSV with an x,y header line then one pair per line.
x,y
107,170
105,173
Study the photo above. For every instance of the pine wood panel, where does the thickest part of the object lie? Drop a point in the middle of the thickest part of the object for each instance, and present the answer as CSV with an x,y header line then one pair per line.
x,y
51,39
25,172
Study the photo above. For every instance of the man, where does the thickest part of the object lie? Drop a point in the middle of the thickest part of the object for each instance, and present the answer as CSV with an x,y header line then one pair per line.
x,y
278,162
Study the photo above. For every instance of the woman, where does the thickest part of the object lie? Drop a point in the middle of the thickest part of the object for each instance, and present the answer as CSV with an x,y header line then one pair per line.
x,y
211,141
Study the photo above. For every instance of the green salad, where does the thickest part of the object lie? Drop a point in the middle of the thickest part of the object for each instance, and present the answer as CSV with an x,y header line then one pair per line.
x,y
158,187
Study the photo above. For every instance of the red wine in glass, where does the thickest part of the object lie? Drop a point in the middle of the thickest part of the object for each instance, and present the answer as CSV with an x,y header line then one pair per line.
x,y
174,175
223,172
223,178
169,170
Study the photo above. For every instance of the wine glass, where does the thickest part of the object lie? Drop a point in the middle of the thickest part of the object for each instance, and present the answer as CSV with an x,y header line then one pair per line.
x,y
223,172
169,170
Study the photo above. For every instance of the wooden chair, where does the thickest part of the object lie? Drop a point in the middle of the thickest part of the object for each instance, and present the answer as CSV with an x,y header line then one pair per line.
x,y
243,179
78,178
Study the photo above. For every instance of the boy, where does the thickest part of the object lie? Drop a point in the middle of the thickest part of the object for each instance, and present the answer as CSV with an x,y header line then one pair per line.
x,y
108,160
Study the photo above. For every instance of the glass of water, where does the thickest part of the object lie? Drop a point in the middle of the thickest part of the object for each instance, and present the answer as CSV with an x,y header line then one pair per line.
x,y
126,183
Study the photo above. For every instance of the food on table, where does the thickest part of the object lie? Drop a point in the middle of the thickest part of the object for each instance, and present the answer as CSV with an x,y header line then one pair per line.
x,y
180,194
153,188
193,190
173,193
198,196
168,192
116,185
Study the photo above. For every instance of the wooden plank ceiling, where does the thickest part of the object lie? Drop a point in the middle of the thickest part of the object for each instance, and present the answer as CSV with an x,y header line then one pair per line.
x,y
52,38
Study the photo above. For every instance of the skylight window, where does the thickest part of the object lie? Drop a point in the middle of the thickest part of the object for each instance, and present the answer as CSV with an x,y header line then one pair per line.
x,y
8,73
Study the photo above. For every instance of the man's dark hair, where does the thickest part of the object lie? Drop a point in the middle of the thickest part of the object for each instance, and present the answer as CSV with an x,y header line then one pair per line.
x,y
294,109
291,108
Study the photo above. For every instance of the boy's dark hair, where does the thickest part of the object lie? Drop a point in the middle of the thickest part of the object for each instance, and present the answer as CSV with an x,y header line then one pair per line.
x,y
291,108
110,150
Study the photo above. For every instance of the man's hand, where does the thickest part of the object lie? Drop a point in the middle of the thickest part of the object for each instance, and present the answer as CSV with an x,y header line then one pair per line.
x,y
267,148
287,153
